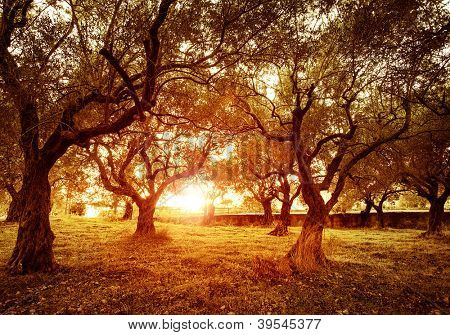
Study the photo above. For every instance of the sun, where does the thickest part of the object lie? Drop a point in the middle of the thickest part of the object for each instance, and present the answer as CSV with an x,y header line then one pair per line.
x,y
91,212
191,199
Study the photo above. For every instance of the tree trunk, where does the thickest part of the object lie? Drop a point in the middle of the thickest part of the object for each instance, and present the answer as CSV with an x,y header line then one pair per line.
x,y
307,252
114,205
365,214
128,214
436,217
380,216
14,209
33,251
268,216
67,205
208,218
145,225
281,229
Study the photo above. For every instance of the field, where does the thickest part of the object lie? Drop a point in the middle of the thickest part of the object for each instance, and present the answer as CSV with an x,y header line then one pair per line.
x,y
190,269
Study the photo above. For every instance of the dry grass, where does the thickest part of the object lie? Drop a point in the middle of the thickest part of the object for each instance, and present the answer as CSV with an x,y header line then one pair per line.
x,y
209,270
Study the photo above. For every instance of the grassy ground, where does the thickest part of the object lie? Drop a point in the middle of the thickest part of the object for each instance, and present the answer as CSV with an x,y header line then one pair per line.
x,y
198,270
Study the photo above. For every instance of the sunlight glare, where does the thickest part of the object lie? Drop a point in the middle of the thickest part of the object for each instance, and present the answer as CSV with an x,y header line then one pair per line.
x,y
91,212
191,199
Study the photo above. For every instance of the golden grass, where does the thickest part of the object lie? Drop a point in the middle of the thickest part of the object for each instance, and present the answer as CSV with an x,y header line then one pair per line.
x,y
209,270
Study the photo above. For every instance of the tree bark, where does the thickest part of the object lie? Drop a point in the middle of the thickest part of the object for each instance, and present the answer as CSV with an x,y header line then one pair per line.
x,y
380,216
436,217
307,252
33,250
208,218
128,214
14,209
281,229
268,216
365,214
114,205
145,225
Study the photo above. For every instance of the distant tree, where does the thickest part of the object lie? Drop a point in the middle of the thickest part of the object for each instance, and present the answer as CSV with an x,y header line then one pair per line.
x,y
78,208
259,194
70,178
425,162
287,191
263,191
214,185
247,180
410,200
144,162
373,183
128,212
11,162
274,162
209,210
250,204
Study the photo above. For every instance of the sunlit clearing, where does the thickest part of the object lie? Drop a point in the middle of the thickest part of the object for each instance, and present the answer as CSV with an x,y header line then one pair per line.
x,y
191,199
91,212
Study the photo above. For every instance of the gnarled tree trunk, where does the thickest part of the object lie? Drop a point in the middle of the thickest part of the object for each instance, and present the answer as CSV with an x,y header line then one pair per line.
x,y
281,229
268,216
379,209
145,224
128,214
365,214
436,216
307,252
380,216
33,250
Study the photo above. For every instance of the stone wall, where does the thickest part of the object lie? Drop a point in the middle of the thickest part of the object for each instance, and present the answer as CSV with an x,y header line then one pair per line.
x,y
407,219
